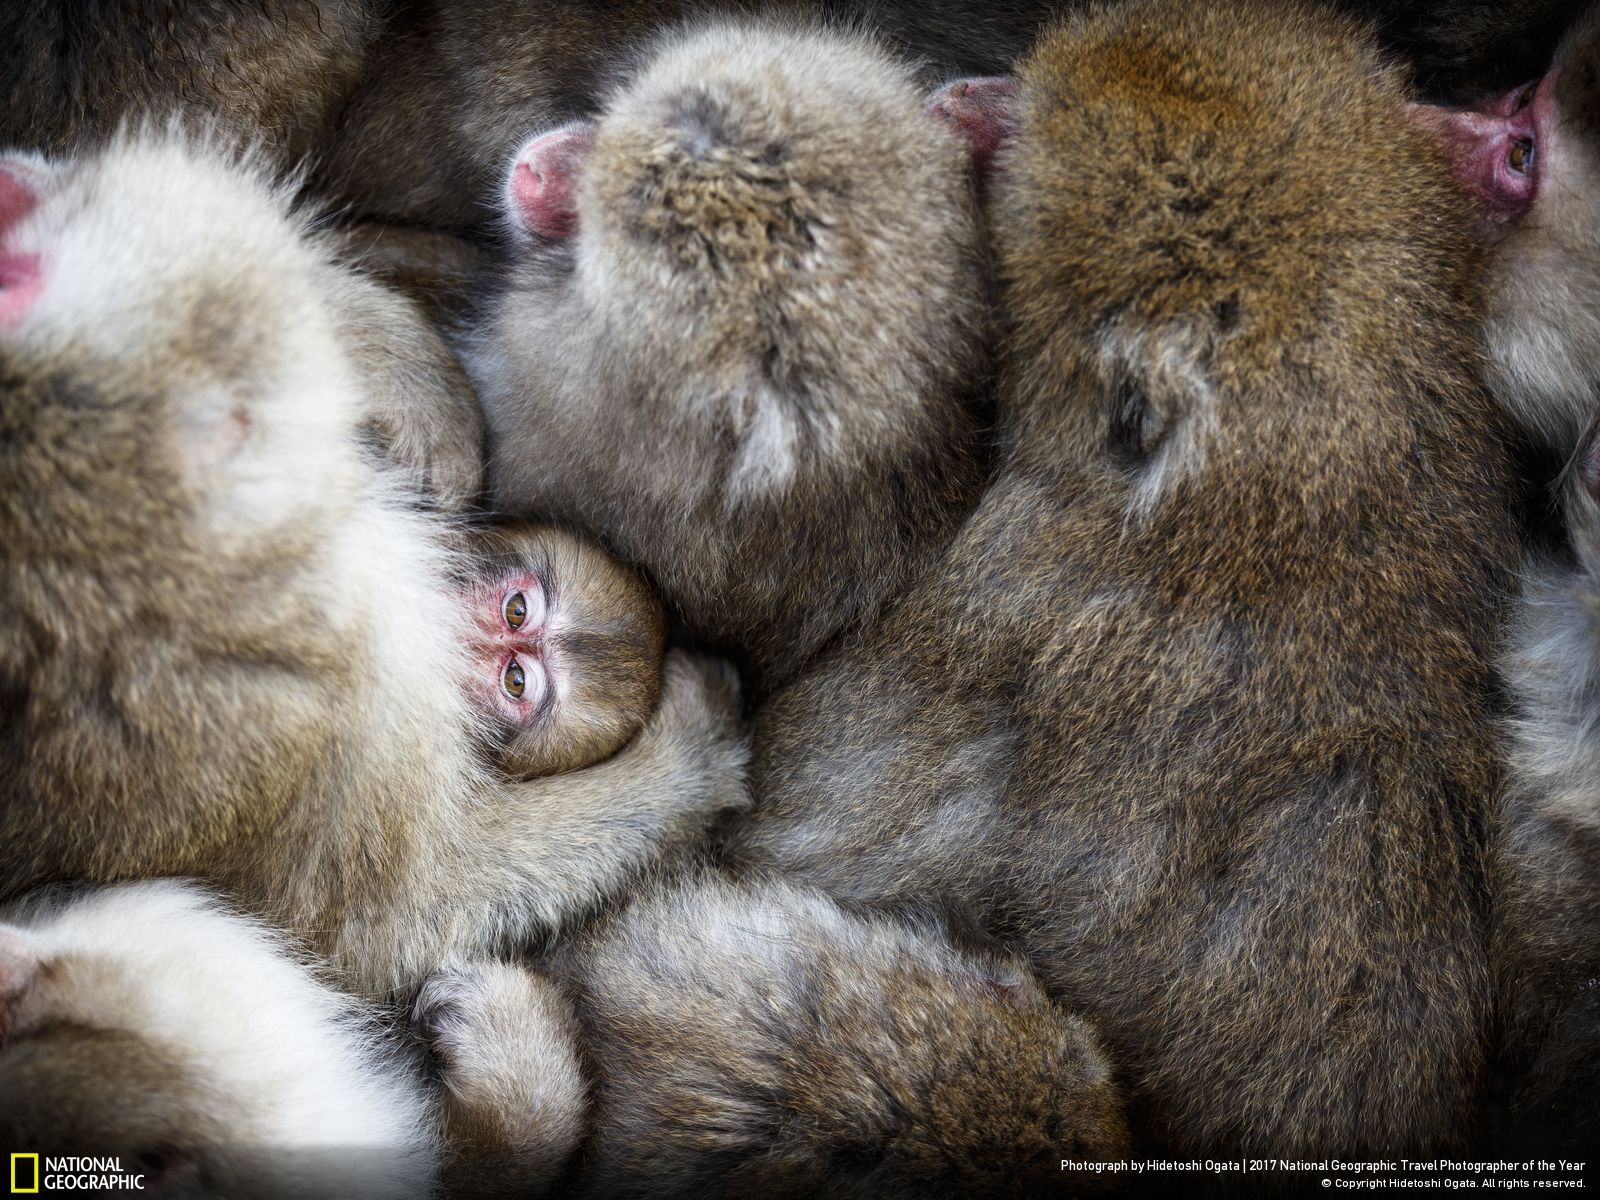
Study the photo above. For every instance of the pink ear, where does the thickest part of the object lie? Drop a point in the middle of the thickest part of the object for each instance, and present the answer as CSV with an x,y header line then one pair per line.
x,y
20,277
542,190
981,110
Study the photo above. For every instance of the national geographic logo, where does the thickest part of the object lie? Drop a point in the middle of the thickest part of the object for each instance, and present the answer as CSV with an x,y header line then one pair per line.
x,y
31,1174
24,1174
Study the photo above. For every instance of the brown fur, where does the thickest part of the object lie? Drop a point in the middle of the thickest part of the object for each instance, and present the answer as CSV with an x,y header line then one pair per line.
x,y
756,1040
754,367
422,413
441,272
229,645
612,640
1197,708
274,73
147,1022
1546,843
514,1096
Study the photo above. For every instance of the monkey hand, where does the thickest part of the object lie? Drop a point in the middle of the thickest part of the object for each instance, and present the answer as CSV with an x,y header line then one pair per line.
x,y
698,728
506,1045
440,452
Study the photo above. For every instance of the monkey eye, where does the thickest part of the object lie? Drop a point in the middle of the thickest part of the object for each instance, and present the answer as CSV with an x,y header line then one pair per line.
x,y
516,610
514,680
1525,97
1521,156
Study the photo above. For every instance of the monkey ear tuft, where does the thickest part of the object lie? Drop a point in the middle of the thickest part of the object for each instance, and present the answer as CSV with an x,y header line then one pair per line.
x,y
981,110
542,191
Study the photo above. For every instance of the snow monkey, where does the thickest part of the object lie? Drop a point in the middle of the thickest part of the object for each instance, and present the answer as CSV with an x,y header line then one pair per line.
x,y
754,1038
1193,709
1530,158
1165,715
747,305
232,644
149,1022
1546,837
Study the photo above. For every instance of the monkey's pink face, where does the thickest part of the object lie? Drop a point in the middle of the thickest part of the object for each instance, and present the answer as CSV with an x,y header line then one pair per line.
x,y
511,669
1500,148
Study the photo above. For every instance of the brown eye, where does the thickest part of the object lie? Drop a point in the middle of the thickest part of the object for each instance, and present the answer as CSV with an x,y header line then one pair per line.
x,y
516,610
514,681
1521,157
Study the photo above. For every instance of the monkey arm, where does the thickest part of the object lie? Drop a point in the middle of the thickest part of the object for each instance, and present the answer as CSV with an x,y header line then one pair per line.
x,y
568,842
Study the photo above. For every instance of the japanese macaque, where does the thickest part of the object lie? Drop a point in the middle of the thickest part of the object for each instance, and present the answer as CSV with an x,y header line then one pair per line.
x,y
741,336
455,88
147,1022
1195,711
757,1039
271,74
567,645
1546,835
1530,158
232,644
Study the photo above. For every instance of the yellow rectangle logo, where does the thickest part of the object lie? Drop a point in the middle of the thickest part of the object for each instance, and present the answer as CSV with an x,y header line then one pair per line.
x,y
17,1188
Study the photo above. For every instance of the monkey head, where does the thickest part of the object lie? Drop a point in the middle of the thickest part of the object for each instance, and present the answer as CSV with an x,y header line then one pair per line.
x,y
566,647
179,451
735,223
1212,299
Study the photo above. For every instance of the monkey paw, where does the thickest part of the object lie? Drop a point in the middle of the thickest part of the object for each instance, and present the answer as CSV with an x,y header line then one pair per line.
x,y
700,727
506,1044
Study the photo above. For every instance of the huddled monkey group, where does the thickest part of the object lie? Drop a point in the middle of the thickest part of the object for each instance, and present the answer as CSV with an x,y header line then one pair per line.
x,y
796,598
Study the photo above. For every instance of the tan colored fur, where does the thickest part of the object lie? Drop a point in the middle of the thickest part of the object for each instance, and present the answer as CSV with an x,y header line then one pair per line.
x,y
611,640
229,646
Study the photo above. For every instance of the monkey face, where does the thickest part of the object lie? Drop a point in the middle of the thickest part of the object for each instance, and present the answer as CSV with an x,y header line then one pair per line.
x,y
1508,148
566,649
1498,148
1528,160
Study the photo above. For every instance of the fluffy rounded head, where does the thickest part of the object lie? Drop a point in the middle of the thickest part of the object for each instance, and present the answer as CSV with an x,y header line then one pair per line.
x,y
147,1021
822,1053
750,190
1209,200
588,648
